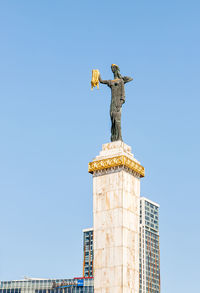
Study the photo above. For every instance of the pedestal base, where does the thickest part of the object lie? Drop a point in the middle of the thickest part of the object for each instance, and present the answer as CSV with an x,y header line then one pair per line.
x,y
116,192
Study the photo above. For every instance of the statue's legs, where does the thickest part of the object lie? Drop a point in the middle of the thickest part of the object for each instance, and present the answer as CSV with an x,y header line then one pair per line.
x,y
116,126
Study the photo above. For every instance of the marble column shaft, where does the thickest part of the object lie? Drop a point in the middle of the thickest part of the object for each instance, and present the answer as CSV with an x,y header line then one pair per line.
x,y
116,192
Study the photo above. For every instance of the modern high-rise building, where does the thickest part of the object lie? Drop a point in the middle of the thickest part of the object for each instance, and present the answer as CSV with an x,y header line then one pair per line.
x,y
149,260
32,285
149,247
88,252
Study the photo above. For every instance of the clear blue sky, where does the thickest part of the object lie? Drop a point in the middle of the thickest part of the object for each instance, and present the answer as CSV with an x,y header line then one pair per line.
x,y
52,125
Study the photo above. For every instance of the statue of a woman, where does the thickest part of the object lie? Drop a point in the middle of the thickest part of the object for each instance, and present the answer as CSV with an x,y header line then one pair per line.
x,y
117,100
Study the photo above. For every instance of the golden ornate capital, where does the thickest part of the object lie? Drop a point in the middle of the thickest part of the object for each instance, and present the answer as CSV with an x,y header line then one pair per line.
x,y
116,162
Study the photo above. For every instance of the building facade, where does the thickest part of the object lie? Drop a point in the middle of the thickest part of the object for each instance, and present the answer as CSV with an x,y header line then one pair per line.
x,y
149,247
88,253
149,261
31,285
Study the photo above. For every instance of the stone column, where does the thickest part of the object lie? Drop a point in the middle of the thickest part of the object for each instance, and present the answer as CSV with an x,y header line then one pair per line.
x,y
116,192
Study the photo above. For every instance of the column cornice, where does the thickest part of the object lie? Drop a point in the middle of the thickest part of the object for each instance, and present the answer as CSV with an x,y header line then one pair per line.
x,y
111,162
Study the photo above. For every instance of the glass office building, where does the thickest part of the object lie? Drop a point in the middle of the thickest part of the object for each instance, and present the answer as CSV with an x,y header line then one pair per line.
x,y
31,285
88,252
149,247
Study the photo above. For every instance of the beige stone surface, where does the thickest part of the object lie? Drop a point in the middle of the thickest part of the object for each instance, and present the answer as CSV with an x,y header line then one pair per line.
x,y
114,149
116,226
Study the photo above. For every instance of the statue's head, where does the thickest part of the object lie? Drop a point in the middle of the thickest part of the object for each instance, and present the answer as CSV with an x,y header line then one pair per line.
x,y
116,71
114,68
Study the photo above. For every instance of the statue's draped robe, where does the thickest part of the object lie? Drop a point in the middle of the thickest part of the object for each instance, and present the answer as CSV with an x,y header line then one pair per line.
x,y
117,99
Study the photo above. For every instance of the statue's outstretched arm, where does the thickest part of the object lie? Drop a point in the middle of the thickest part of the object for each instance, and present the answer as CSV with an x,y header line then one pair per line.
x,y
127,79
104,81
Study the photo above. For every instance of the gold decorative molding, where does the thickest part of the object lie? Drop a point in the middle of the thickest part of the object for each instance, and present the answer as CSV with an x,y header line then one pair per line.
x,y
115,162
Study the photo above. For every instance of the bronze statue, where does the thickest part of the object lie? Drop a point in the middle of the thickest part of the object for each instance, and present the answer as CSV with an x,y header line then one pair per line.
x,y
117,98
